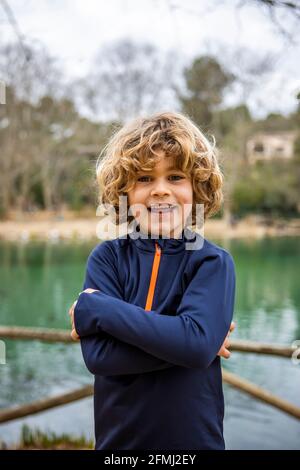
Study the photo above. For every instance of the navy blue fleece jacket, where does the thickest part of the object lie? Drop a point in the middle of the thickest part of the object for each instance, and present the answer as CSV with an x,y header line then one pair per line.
x,y
158,382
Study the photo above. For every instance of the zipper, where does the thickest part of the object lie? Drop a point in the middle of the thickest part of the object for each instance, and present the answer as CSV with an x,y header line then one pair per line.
x,y
154,273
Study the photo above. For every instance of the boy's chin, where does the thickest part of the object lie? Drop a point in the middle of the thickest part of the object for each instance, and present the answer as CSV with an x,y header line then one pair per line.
x,y
162,231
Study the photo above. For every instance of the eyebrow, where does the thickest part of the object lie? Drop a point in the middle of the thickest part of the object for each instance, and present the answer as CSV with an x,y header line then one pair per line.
x,y
167,169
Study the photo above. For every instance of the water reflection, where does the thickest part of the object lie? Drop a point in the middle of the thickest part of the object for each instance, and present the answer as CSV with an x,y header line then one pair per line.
x,y
39,281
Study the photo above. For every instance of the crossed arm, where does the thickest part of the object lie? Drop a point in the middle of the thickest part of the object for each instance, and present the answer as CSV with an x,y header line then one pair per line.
x,y
103,353
121,338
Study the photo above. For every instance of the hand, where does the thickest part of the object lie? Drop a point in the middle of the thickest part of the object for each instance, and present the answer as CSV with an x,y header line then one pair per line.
x,y
224,352
74,334
89,291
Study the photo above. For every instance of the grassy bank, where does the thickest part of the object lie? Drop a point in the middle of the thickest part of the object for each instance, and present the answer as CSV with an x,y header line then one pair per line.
x,y
84,226
34,439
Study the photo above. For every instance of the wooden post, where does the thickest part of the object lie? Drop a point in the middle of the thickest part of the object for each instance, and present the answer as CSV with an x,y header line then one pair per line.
x,y
260,393
41,334
54,335
261,348
34,407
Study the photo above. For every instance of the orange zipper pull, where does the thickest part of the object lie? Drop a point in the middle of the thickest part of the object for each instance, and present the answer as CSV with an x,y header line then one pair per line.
x,y
154,273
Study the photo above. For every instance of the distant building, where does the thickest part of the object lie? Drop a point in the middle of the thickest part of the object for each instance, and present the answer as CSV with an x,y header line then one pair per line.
x,y
268,145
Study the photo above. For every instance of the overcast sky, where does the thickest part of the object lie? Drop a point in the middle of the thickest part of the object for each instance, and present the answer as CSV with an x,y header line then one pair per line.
x,y
73,30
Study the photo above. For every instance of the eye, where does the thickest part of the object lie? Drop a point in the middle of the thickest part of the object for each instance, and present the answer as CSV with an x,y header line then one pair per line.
x,y
146,179
177,176
143,178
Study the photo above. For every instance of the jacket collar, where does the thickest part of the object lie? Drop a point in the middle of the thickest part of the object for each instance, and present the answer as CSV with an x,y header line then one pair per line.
x,y
144,242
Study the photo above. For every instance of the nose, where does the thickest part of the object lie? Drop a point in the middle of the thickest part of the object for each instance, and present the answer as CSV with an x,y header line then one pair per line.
x,y
160,188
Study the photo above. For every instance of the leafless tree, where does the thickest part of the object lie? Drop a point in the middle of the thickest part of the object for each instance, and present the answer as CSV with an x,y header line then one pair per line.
x,y
284,15
128,78
26,129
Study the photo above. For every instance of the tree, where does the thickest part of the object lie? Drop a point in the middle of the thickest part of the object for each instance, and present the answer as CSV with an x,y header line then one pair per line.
x,y
206,82
39,131
128,79
284,15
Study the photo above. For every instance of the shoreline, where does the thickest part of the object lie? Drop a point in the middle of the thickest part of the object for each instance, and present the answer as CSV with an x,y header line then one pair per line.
x,y
69,227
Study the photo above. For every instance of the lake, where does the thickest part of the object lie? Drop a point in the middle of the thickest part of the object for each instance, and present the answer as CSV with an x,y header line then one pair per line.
x,y
40,281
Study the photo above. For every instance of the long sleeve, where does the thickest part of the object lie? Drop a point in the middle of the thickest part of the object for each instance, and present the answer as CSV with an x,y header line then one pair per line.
x,y
191,338
102,353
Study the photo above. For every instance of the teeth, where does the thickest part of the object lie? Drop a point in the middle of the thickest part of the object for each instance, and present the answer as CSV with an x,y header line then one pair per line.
x,y
161,206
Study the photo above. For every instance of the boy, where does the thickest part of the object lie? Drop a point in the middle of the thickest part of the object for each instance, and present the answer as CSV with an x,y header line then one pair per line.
x,y
154,317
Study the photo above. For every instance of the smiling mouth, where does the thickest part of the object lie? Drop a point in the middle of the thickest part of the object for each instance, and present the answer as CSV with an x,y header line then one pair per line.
x,y
161,210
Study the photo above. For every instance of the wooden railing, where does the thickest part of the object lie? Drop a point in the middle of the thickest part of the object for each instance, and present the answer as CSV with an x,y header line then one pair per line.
x,y
54,335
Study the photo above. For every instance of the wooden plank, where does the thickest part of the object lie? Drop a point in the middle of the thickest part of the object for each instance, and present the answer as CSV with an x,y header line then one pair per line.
x,y
260,394
20,411
54,335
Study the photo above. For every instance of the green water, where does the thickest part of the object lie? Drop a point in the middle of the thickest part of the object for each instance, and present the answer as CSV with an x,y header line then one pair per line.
x,y
39,282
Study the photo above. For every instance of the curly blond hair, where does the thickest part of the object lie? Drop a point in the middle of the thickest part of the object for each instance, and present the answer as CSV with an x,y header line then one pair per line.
x,y
133,148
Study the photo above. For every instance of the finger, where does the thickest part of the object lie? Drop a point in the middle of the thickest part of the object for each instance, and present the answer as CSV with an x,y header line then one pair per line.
x,y
74,335
72,307
71,313
225,353
231,329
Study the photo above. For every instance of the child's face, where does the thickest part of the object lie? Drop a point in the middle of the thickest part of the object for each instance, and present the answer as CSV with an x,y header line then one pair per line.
x,y
162,185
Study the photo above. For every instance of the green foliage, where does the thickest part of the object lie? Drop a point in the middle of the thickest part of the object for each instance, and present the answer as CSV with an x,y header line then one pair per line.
x,y
83,190
226,120
43,163
37,195
297,149
48,150
219,214
275,122
269,188
205,81
49,440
